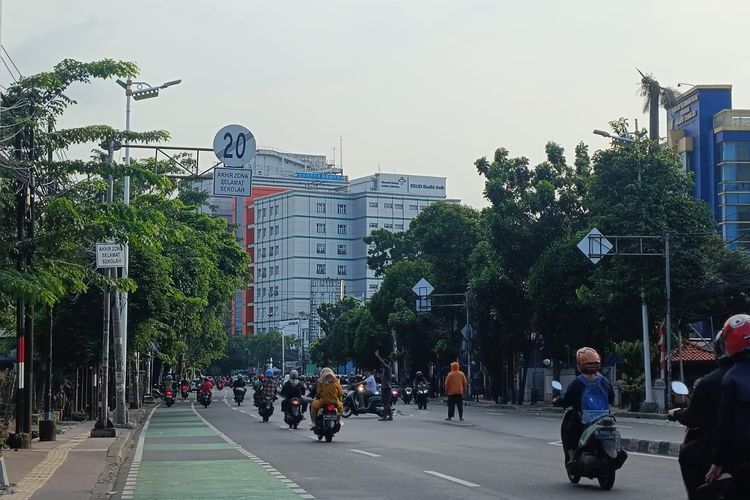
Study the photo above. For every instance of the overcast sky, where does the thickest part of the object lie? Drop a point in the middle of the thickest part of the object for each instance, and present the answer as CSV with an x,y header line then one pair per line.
x,y
420,87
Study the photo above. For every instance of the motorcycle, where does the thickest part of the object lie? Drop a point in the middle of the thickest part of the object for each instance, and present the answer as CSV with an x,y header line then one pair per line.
x,y
421,397
394,395
599,454
184,391
204,398
352,404
239,394
219,384
293,414
327,423
406,395
169,397
265,409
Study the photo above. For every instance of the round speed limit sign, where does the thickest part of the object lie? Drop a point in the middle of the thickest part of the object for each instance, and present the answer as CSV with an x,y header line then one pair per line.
x,y
234,145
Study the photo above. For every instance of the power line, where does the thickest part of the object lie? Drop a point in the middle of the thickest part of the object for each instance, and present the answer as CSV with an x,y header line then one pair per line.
x,y
8,68
11,61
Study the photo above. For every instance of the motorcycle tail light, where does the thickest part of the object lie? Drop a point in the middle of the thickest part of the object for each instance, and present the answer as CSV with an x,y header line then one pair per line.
x,y
169,393
329,407
295,402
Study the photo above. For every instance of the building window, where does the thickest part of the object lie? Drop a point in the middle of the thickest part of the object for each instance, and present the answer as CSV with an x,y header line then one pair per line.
x,y
400,226
320,269
399,206
263,214
373,204
275,291
263,252
276,209
270,311
373,225
263,273
341,250
423,207
276,230
388,226
321,208
276,270
342,228
276,249
321,248
321,228
263,292
341,209
342,270
413,207
373,286
270,251
264,232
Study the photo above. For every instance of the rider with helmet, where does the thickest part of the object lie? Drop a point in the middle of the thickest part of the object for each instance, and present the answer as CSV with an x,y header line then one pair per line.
x,y
258,388
168,382
269,385
419,378
589,363
293,388
732,450
701,417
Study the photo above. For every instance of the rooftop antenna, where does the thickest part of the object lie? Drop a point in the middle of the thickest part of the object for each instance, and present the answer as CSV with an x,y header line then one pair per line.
x,y
341,152
334,156
378,167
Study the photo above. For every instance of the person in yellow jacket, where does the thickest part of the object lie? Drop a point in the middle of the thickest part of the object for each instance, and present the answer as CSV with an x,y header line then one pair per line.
x,y
328,390
455,387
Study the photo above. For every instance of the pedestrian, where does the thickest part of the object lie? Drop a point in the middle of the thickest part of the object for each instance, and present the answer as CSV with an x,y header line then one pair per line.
x,y
477,386
455,387
385,388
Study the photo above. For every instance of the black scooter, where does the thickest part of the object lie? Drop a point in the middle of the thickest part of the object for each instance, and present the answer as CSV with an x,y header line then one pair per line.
x,y
293,414
204,398
421,396
239,394
406,394
265,408
327,423
599,454
352,404
169,397
184,391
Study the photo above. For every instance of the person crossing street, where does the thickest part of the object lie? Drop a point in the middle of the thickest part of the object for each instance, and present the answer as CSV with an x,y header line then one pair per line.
x,y
455,388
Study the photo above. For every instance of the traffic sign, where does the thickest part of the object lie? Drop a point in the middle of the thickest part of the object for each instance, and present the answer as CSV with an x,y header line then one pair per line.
x,y
424,304
233,182
423,288
595,246
467,331
234,145
110,255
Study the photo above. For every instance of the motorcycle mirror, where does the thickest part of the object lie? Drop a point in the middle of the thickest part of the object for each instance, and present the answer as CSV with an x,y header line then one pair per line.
x,y
556,385
680,388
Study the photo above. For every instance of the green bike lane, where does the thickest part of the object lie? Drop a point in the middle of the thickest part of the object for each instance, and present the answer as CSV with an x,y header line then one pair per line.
x,y
180,455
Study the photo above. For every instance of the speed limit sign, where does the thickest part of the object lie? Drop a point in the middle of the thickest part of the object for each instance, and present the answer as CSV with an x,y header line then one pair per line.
x,y
234,145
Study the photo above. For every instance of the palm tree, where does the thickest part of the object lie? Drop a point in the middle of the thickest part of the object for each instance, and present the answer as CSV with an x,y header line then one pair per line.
x,y
655,96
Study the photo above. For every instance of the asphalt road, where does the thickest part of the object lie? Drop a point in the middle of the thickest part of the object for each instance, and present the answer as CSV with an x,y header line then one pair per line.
x,y
225,451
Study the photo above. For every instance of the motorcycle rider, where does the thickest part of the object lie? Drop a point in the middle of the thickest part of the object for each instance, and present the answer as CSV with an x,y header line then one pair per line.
x,y
371,387
258,388
419,379
168,383
328,390
269,385
731,452
293,388
205,388
701,417
589,363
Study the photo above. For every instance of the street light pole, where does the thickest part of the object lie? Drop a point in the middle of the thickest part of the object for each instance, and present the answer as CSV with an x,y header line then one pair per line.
x,y
142,91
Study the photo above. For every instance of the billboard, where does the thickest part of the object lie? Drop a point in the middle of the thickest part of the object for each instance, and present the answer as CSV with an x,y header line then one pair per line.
x,y
412,184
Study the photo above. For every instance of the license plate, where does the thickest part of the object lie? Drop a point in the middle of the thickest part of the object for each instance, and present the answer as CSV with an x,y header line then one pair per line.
x,y
606,434
332,418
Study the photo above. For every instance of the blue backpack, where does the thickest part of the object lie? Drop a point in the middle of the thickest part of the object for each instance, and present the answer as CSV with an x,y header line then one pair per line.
x,y
594,400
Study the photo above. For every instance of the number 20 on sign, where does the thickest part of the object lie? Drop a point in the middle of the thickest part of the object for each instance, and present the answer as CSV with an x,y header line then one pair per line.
x,y
234,145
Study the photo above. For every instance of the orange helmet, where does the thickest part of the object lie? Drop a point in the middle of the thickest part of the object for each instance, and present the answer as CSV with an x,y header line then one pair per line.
x,y
736,334
588,360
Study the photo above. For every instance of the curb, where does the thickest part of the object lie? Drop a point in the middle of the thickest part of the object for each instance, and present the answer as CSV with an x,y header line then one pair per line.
x,y
117,454
650,447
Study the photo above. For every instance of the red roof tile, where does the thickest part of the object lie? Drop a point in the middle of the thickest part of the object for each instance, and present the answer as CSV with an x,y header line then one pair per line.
x,y
695,352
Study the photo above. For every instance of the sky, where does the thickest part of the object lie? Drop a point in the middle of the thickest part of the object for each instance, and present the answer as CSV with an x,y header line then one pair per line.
x,y
418,87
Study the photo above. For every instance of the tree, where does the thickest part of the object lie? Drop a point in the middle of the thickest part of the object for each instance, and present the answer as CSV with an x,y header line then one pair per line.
x,y
655,97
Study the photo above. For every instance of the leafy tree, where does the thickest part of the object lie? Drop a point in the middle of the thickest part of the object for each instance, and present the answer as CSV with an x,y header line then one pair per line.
x,y
655,97
369,337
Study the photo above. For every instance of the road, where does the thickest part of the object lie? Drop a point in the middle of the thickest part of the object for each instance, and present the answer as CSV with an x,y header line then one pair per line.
x,y
225,451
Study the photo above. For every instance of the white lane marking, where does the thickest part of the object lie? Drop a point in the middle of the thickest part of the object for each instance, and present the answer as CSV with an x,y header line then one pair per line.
x,y
451,478
496,413
265,465
142,438
650,455
367,453
547,418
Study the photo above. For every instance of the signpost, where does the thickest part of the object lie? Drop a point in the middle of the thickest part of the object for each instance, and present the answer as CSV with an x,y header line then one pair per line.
x,y
234,146
110,255
594,246
422,289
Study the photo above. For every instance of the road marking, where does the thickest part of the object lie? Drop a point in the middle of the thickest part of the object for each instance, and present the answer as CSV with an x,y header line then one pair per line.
x,y
132,478
265,465
373,455
496,412
451,478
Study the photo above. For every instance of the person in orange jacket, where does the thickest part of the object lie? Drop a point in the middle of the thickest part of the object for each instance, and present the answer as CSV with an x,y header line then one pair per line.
x,y
328,390
455,387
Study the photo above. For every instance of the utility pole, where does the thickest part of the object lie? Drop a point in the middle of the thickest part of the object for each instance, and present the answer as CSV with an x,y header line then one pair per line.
x,y
47,431
23,438
29,311
103,426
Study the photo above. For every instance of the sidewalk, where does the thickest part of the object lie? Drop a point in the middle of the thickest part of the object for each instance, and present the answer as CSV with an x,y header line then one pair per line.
x,y
75,466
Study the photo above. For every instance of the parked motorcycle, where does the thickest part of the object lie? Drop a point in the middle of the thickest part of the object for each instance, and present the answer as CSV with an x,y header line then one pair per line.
x,y
599,454
327,423
422,395
406,394
184,391
239,395
265,409
352,404
293,414
204,398
169,397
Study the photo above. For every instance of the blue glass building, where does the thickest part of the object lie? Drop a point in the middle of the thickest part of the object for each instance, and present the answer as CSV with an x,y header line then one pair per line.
x,y
714,142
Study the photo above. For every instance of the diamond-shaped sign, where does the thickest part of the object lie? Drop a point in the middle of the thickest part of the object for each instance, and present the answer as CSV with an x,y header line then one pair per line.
x,y
423,288
595,246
